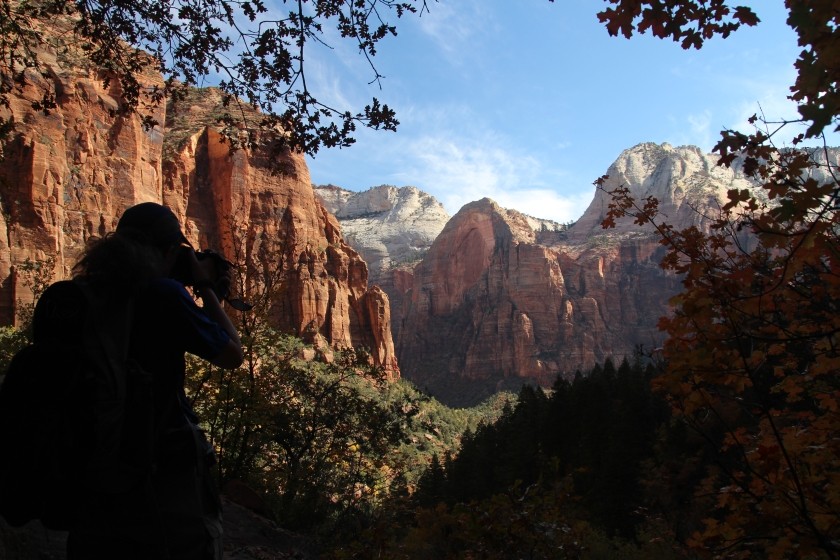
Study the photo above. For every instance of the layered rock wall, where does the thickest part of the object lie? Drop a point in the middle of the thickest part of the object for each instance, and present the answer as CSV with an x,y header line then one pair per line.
x,y
392,228
687,183
68,176
491,308
389,226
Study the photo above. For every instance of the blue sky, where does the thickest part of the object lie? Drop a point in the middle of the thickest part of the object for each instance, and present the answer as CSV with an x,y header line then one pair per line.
x,y
528,102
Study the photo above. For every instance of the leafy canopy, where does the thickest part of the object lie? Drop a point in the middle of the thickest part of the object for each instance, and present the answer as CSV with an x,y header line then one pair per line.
x,y
256,50
689,23
752,355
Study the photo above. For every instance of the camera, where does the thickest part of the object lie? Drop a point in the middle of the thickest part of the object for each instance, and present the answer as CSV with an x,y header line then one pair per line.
x,y
182,272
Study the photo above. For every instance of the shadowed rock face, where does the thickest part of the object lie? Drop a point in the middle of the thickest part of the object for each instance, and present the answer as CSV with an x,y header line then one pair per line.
x,y
69,175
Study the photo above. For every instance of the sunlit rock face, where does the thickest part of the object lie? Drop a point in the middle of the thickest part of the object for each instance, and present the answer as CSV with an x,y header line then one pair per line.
x,y
502,299
486,300
686,182
69,175
496,304
391,228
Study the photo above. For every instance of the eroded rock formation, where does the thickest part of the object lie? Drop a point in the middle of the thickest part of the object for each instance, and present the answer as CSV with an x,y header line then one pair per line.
x,y
496,303
688,184
491,308
69,175
389,226
392,228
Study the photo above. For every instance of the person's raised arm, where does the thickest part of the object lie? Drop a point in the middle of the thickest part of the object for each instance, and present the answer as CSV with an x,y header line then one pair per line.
x,y
231,355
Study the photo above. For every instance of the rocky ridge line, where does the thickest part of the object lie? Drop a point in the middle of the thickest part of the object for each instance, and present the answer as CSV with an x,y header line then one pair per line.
x,y
496,302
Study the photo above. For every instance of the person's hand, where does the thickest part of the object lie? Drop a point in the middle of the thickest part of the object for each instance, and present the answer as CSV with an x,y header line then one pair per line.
x,y
202,271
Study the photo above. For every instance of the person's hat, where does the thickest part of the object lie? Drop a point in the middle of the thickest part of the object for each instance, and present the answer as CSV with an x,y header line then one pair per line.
x,y
151,223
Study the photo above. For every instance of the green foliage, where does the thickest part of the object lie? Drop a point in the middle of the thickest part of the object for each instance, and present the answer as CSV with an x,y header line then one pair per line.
x,y
596,429
323,435
12,339
325,443
314,436
558,475
36,276
434,429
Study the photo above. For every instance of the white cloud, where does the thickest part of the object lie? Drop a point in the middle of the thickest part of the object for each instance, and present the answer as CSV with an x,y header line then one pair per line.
x,y
694,129
447,152
454,26
328,85
743,97
700,126
769,100
546,203
769,96
462,170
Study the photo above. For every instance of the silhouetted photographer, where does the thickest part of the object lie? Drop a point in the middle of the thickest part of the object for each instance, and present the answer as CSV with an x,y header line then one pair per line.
x,y
99,436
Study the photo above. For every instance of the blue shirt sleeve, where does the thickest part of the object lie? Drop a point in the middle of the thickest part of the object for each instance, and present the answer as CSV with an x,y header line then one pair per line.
x,y
194,330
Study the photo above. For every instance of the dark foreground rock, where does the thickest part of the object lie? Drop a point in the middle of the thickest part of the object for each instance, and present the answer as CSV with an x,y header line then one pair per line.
x,y
248,536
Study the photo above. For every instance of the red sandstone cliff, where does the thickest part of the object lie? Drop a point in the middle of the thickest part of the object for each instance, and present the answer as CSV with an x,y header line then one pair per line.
x,y
492,306
495,303
69,175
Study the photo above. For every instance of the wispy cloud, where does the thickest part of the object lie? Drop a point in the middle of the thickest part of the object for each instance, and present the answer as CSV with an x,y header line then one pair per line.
x,y
695,129
547,203
454,26
448,152
700,126
765,97
768,96
331,88
459,170
487,114
743,98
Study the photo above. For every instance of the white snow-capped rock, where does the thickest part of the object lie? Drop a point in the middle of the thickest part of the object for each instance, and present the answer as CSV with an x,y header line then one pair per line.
x,y
389,226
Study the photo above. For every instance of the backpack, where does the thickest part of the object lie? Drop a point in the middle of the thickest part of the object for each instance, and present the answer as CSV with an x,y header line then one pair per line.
x,y
76,413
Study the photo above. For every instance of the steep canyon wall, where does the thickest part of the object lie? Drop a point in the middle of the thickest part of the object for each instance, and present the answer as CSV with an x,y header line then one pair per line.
x,y
482,301
499,301
68,175
490,308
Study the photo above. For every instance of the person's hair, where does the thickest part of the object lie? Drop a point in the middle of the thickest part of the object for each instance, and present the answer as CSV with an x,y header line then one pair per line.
x,y
118,265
